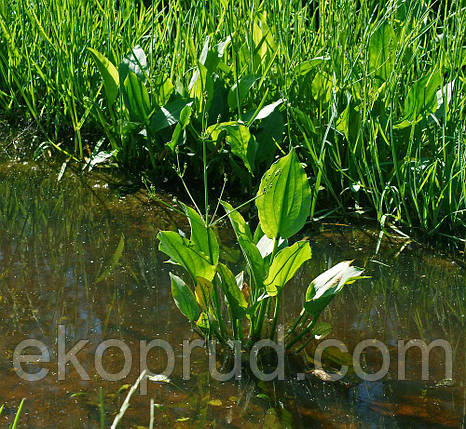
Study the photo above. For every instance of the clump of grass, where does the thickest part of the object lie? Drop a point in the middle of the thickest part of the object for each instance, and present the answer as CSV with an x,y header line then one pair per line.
x,y
14,425
370,93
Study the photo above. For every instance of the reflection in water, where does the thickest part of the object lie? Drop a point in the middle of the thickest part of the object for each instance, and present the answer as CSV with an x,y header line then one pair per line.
x,y
58,242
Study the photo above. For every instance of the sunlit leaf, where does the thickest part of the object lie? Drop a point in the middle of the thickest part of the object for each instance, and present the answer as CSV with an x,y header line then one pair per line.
x,y
264,45
325,286
136,98
230,288
201,85
204,291
422,97
164,89
182,252
285,264
202,236
159,378
266,111
284,198
241,141
135,62
322,87
109,74
168,115
382,51
265,245
349,122
203,322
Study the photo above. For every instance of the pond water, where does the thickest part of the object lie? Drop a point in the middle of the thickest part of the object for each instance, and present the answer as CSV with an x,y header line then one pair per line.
x,y
60,265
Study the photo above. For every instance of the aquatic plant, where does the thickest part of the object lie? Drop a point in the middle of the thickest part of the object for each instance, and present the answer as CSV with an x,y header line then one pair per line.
x,y
269,263
146,111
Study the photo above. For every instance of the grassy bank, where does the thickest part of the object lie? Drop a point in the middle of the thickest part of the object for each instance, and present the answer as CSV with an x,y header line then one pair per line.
x,y
370,93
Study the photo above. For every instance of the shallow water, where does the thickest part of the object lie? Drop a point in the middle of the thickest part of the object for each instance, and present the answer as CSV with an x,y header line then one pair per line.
x,y
58,242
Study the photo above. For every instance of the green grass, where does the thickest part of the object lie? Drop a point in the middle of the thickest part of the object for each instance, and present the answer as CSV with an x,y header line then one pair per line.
x,y
359,80
14,425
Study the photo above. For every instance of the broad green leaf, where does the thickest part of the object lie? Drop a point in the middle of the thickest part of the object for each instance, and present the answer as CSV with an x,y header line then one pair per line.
x,y
185,117
243,235
164,89
134,61
243,145
109,74
306,66
202,236
182,252
235,297
241,90
269,137
214,55
444,97
184,298
170,114
322,87
382,51
241,141
422,97
264,44
325,286
247,55
284,198
285,264
349,122
204,291
136,98
258,234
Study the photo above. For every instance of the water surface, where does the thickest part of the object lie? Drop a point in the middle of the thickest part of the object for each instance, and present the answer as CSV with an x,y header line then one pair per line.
x,y
58,242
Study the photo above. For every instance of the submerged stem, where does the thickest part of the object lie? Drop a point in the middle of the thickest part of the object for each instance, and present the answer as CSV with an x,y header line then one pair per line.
x,y
276,313
304,333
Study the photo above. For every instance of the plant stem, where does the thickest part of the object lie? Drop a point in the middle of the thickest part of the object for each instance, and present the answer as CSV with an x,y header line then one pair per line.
x,y
218,313
296,323
206,189
276,314
263,304
305,332
102,408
